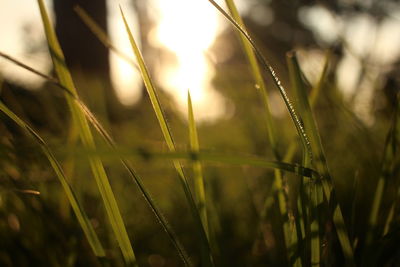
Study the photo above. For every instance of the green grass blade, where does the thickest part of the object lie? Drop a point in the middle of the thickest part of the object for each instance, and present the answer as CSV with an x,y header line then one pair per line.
x,y
308,190
389,156
80,214
295,118
81,123
206,252
302,219
257,75
391,213
315,92
199,188
279,192
320,161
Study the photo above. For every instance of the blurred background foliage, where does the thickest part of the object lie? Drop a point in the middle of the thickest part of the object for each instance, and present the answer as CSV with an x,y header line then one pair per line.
x,y
353,118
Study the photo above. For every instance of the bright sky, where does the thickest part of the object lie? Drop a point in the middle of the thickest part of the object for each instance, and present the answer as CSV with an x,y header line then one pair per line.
x,y
15,16
125,78
188,29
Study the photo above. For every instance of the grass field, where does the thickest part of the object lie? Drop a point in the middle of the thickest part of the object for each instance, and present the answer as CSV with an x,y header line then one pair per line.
x,y
317,187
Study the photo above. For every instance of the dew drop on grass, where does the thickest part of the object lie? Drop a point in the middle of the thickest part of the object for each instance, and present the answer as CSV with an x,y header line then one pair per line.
x,y
257,86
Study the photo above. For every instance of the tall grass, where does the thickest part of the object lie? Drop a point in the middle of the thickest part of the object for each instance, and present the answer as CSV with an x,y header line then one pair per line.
x,y
81,216
80,122
206,251
308,154
280,196
304,225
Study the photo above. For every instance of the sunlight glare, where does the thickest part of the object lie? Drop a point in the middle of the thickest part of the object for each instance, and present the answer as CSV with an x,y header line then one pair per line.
x,y
125,78
188,29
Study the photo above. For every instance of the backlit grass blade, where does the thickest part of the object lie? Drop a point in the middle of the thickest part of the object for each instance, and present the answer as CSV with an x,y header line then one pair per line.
x,y
295,118
320,163
279,193
80,214
206,252
257,75
199,188
81,123
308,197
315,92
388,162
302,211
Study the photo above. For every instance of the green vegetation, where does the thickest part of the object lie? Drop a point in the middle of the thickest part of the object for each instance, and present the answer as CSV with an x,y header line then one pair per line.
x,y
223,203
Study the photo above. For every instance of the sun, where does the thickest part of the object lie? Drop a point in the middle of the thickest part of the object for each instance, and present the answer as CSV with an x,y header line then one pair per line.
x,y
188,29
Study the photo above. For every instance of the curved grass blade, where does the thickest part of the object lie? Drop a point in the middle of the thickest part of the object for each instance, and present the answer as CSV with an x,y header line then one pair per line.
x,y
206,251
257,75
81,216
295,118
279,195
320,163
81,123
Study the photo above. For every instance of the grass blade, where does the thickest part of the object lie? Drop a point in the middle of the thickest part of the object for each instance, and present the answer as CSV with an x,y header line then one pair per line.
x,y
198,172
301,211
388,165
81,123
257,75
295,118
391,213
308,196
80,214
279,194
206,252
320,163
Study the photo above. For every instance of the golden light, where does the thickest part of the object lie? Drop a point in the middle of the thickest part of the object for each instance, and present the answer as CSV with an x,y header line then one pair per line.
x,y
125,78
188,29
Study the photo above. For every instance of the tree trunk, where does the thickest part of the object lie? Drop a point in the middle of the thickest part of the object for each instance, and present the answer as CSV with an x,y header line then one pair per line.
x,y
86,57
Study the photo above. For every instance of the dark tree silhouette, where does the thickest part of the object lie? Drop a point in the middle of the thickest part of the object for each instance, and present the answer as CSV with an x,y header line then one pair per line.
x,y
86,57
